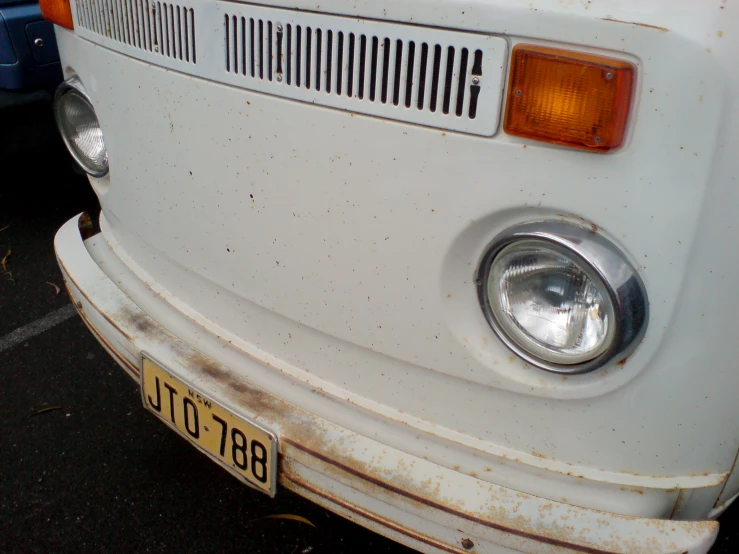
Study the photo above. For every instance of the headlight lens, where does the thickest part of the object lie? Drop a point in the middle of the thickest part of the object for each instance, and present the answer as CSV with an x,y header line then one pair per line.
x,y
562,297
80,128
549,304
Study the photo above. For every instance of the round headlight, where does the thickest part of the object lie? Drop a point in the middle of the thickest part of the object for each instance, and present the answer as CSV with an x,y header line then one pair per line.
x,y
562,297
80,128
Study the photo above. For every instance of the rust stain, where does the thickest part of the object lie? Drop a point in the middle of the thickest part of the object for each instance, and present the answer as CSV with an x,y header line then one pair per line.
x,y
77,303
68,277
332,499
303,432
130,316
139,321
467,544
678,502
726,481
593,227
561,540
128,366
86,226
647,25
213,369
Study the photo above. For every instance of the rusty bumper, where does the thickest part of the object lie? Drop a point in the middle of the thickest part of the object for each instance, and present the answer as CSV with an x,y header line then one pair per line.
x,y
409,499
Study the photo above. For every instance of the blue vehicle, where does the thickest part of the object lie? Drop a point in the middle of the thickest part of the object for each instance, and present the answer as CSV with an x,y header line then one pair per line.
x,y
29,73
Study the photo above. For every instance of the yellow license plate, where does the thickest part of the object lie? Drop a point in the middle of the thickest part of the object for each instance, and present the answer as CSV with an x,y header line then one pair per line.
x,y
244,448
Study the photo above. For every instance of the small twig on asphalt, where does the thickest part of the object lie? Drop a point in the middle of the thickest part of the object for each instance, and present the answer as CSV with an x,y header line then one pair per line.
x,y
3,229
44,410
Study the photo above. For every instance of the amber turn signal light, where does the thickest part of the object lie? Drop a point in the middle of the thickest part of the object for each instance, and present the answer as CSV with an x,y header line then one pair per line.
x,y
57,11
568,98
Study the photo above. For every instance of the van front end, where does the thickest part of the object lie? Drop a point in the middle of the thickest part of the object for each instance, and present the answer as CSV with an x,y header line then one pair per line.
x,y
457,271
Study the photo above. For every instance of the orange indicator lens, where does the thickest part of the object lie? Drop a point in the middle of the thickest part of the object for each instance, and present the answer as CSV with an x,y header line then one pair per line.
x,y
569,98
57,11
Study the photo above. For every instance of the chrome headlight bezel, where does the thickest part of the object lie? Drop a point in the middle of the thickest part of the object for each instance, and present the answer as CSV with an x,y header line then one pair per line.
x,y
624,288
74,84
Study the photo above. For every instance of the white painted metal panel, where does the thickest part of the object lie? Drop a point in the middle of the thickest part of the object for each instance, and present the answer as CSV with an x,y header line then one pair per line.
x,y
360,207
408,498
279,52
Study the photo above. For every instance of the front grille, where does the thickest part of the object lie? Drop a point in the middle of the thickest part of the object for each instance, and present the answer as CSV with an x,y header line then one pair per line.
x,y
424,75
159,27
420,76
446,79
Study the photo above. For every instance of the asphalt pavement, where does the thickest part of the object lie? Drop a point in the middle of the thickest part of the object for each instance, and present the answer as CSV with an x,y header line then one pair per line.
x,y
83,467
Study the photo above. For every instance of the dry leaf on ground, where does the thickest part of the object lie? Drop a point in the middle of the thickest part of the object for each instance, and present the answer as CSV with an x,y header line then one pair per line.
x,y
292,517
4,261
56,288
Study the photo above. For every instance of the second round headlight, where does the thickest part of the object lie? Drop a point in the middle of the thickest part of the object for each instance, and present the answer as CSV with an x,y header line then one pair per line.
x,y
80,128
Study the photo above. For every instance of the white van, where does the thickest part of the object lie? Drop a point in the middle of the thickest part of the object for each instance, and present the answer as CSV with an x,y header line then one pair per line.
x,y
460,271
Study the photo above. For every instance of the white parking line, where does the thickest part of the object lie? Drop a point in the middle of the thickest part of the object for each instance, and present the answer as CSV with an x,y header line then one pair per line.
x,y
37,327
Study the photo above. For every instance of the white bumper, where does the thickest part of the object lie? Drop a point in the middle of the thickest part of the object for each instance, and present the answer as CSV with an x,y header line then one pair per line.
x,y
409,499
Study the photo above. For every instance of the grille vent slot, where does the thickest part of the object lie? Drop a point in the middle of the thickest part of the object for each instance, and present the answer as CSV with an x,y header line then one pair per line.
x,y
159,27
424,75
413,75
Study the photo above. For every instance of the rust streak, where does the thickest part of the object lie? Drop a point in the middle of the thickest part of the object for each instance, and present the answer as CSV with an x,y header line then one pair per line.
x,y
297,428
140,321
441,507
371,516
647,25
113,324
678,503
86,226
132,369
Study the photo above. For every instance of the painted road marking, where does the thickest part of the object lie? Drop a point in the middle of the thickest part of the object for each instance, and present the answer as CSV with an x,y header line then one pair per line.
x,y
37,327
